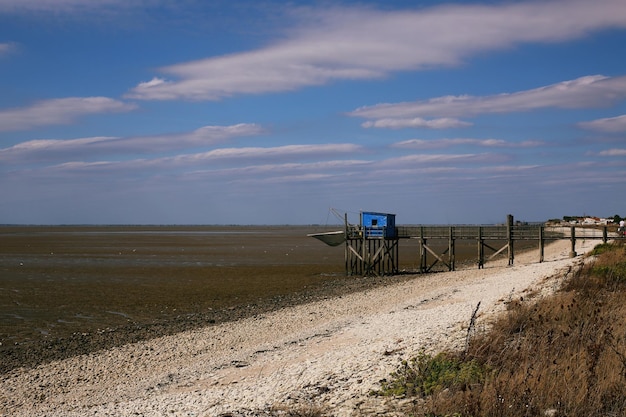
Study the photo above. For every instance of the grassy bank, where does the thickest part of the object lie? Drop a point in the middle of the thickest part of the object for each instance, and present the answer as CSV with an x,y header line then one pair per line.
x,y
563,355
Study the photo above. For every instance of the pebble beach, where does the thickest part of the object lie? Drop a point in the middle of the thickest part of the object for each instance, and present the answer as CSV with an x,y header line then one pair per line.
x,y
328,354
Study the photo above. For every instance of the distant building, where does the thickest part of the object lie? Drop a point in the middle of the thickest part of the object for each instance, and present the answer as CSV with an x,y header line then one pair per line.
x,y
586,221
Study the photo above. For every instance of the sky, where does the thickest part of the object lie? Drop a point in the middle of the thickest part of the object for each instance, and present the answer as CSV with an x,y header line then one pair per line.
x,y
273,112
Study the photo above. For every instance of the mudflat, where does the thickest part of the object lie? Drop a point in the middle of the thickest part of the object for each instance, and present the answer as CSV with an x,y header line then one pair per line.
x,y
70,290
328,353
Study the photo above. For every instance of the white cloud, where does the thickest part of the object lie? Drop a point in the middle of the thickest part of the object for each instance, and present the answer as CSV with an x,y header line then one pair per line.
x,y
352,43
152,83
609,124
246,155
420,160
6,47
417,122
613,152
47,149
44,147
591,91
285,171
59,111
447,143
202,137
64,6
258,153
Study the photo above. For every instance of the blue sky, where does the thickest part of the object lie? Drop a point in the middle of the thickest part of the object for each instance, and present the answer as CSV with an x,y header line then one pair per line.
x,y
269,112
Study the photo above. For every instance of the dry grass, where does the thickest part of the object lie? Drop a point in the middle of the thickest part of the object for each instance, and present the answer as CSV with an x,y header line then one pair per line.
x,y
560,356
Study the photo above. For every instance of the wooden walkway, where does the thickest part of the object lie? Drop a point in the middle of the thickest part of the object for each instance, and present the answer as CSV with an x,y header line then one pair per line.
x,y
365,255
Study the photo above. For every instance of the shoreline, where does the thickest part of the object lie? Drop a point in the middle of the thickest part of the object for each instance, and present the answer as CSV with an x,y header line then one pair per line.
x,y
35,353
330,352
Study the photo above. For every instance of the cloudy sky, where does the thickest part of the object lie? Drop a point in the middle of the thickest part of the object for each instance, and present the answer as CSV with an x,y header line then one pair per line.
x,y
272,112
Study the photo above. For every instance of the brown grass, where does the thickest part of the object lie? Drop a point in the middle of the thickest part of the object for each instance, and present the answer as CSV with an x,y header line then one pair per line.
x,y
560,356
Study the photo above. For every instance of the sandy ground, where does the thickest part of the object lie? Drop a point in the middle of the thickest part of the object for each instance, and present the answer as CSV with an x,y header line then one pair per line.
x,y
329,353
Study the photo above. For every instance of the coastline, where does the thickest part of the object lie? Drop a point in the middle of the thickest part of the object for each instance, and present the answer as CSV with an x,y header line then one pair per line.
x,y
328,353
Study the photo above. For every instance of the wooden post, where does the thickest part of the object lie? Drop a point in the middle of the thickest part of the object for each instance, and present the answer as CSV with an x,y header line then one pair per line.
x,y
605,234
391,253
365,254
572,253
541,243
397,258
509,236
422,251
368,255
373,253
481,249
358,260
378,257
451,248
347,245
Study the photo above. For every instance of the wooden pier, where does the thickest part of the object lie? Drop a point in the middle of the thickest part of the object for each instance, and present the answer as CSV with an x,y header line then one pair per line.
x,y
375,250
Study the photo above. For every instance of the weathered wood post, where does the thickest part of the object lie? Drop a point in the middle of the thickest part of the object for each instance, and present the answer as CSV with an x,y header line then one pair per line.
x,y
451,250
542,242
481,248
509,236
364,253
369,264
347,244
572,253
605,234
395,262
368,255
423,262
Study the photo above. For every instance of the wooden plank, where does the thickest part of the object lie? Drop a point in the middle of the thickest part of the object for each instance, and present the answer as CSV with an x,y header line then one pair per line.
x,y
437,257
499,251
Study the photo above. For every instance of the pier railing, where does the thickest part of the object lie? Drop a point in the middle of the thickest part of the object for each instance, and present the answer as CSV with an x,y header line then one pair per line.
x,y
368,253
501,232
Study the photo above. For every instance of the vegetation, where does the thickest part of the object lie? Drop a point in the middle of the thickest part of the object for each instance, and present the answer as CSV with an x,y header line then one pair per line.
x,y
564,355
426,375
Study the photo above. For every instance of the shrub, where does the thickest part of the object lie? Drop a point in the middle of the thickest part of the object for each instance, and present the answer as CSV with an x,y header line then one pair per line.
x,y
606,271
563,355
602,248
426,374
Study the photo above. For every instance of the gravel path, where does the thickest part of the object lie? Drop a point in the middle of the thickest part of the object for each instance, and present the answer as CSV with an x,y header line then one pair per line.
x,y
329,353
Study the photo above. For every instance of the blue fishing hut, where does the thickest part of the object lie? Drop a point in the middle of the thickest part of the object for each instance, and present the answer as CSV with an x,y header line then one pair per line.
x,y
378,225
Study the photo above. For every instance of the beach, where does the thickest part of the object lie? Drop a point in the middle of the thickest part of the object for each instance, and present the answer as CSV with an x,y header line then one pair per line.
x,y
329,353
73,290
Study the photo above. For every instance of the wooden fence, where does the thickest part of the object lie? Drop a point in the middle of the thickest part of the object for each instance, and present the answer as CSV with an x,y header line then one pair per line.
x,y
379,256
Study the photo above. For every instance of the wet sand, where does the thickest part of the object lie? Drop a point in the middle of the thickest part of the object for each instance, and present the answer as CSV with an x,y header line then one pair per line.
x,y
66,291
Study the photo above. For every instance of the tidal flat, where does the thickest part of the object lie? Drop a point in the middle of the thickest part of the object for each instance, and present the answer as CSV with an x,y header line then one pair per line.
x,y
69,290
